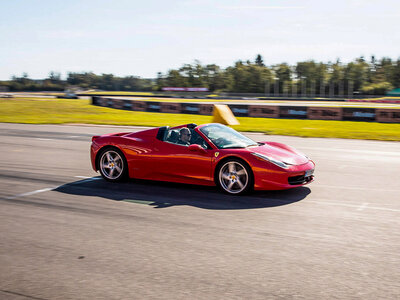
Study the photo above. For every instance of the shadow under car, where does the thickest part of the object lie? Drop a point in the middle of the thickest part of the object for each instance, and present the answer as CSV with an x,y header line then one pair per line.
x,y
165,194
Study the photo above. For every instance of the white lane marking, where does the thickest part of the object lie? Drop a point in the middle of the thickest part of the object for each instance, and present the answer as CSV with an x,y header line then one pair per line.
x,y
355,188
339,150
362,206
42,139
31,193
73,136
353,205
86,179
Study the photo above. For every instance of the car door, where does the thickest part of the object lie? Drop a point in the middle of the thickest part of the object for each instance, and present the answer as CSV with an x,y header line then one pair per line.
x,y
180,163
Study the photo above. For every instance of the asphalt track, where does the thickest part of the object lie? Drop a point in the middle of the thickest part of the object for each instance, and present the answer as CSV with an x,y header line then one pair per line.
x,y
67,234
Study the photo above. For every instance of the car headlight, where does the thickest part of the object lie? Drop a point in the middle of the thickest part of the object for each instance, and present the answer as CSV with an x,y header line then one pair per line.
x,y
271,160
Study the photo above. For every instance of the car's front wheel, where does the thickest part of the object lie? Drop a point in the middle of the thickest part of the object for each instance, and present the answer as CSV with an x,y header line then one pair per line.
x,y
112,165
235,177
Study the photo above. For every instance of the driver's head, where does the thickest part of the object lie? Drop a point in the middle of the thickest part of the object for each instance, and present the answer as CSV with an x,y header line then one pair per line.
x,y
184,134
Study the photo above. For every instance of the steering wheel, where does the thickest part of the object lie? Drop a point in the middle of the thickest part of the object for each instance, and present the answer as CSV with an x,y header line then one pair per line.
x,y
219,141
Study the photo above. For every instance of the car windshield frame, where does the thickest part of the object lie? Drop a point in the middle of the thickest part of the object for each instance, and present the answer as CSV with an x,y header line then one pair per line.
x,y
224,137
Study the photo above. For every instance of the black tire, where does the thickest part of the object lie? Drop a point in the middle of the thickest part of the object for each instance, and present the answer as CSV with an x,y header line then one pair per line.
x,y
112,165
234,177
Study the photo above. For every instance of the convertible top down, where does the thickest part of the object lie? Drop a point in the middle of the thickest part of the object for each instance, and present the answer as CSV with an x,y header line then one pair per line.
x,y
208,154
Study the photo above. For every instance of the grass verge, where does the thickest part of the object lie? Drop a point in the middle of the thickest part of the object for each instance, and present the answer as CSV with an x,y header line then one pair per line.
x,y
62,111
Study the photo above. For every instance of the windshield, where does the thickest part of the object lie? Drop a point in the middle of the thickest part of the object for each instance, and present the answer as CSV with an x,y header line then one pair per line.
x,y
224,137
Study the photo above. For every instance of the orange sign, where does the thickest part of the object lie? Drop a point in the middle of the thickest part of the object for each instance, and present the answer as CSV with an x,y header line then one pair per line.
x,y
139,105
388,115
169,107
102,101
263,111
118,103
206,109
324,113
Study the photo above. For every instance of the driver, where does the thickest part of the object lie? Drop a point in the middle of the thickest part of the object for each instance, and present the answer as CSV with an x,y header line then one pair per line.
x,y
184,137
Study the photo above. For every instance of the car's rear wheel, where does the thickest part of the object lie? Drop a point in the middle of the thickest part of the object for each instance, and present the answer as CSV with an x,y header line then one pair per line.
x,y
235,177
112,165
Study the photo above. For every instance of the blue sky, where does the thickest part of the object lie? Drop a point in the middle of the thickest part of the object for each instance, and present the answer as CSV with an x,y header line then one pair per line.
x,y
145,37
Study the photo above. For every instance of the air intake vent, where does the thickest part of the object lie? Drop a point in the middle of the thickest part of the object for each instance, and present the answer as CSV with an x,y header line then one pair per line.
x,y
295,180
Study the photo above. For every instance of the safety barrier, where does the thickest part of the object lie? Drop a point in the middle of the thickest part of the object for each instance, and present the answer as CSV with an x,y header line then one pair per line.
x,y
259,111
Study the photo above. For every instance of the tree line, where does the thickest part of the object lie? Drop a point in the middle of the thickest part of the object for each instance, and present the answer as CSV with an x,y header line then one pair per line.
x,y
309,77
373,77
86,80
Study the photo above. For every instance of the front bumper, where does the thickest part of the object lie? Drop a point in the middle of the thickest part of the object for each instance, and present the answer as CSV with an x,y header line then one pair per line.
x,y
281,179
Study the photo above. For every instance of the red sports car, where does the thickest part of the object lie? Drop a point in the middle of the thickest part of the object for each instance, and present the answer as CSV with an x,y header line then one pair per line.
x,y
209,154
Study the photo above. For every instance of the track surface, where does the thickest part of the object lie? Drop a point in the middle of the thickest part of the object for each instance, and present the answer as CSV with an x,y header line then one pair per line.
x,y
66,234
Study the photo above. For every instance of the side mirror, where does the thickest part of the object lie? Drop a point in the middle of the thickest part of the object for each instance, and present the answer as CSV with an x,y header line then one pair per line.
x,y
196,147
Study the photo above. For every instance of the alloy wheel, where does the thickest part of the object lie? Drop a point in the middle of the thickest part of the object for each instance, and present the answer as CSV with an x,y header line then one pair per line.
x,y
111,165
233,177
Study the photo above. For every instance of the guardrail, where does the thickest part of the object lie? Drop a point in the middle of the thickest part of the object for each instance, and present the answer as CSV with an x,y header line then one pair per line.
x,y
258,110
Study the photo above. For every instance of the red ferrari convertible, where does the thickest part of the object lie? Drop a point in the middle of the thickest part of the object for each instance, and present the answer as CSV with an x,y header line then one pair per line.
x,y
209,154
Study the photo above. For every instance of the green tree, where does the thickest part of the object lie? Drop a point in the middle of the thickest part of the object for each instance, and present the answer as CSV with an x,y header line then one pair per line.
x,y
395,76
175,79
259,61
356,73
248,78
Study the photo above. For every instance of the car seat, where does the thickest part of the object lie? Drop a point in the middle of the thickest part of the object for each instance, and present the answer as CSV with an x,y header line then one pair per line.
x,y
173,137
162,133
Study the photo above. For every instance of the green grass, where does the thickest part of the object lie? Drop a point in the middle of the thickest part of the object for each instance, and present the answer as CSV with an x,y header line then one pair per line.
x,y
63,111
321,128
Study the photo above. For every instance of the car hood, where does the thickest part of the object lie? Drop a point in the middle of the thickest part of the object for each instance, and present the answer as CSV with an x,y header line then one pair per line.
x,y
281,152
